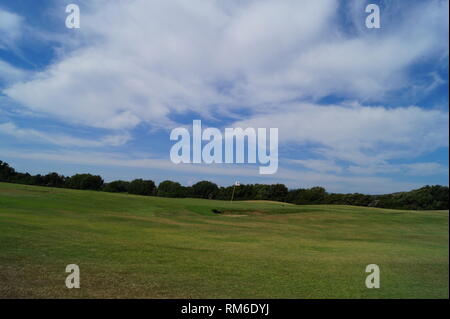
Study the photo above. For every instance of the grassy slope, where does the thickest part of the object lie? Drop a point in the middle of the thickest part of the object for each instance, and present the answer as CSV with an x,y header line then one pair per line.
x,y
133,246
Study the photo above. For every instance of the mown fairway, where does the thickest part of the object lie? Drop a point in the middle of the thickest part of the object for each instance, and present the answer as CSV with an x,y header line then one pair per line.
x,y
147,247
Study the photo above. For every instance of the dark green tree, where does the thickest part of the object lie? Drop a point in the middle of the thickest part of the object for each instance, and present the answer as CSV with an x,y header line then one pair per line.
x,y
6,172
205,189
116,187
84,181
53,180
171,189
142,187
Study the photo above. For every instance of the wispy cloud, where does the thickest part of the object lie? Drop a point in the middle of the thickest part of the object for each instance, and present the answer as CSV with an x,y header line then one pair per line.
x,y
318,165
11,74
413,169
11,27
36,136
359,134
151,59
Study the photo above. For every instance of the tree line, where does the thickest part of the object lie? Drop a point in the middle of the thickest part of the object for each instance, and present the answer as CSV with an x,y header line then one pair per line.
x,y
426,198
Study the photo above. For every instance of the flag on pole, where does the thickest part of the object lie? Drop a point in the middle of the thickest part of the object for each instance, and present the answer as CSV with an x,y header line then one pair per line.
x,y
234,187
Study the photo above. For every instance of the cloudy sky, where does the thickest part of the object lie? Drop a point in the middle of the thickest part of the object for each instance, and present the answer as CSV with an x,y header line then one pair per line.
x,y
358,110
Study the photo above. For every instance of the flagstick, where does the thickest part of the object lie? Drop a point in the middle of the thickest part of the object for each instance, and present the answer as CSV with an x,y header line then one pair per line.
x,y
232,195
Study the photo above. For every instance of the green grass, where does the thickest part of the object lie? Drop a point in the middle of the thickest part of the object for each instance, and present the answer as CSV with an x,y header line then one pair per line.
x,y
148,247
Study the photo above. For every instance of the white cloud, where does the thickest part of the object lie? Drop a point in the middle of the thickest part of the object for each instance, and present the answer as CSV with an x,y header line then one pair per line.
x,y
10,74
318,165
141,61
358,134
426,169
10,28
414,169
11,129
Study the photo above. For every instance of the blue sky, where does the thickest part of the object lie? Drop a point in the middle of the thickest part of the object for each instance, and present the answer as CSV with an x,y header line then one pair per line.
x,y
358,110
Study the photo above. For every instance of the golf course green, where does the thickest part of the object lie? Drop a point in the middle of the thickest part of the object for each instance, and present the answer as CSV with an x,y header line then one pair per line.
x,y
130,246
